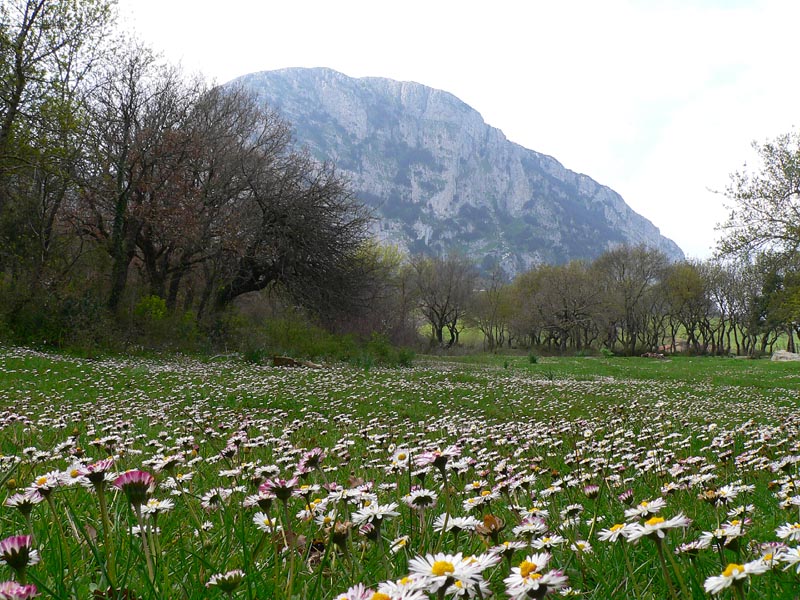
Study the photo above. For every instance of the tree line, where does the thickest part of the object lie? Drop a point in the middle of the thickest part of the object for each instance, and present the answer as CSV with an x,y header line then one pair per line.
x,y
131,193
630,300
123,181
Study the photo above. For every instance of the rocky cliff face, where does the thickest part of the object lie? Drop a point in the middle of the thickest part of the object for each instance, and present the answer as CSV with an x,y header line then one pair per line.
x,y
439,178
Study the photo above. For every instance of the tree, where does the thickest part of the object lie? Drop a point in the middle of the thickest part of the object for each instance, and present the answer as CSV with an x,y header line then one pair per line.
x,y
765,210
626,275
48,48
444,288
490,309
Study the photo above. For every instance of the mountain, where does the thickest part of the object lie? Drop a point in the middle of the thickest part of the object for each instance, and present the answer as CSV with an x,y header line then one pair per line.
x,y
439,178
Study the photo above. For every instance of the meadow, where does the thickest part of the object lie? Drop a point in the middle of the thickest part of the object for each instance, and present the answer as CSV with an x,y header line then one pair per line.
x,y
474,477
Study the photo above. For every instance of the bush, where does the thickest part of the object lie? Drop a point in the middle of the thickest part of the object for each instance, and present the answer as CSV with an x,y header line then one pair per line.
x,y
532,358
607,353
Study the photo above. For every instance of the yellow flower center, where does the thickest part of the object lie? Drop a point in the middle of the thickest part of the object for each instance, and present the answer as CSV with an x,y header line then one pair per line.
x,y
735,522
442,567
405,581
41,480
401,456
74,473
644,504
380,596
732,569
616,527
767,557
327,520
526,568
486,492
458,584
654,521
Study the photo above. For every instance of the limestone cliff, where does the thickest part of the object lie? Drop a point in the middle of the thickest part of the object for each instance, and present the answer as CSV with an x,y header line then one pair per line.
x,y
440,178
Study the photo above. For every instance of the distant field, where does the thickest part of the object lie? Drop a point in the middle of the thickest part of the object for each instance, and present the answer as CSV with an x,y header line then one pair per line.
x,y
529,469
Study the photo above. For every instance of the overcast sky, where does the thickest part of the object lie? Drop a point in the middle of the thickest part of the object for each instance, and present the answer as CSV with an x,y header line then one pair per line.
x,y
659,100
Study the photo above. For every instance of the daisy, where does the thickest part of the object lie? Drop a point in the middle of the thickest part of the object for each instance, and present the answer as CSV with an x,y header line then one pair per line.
x,y
733,573
656,527
282,488
450,523
215,498
530,527
410,587
11,590
137,485
420,499
264,523
46,483
789,532
528,580
17,552
227,582
790,556
357,592
613,533
441,570
437,458
375,512
25,501
156,507
548,542
645,509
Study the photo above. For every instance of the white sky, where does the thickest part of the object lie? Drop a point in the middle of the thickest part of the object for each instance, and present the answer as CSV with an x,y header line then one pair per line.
x,y
659,100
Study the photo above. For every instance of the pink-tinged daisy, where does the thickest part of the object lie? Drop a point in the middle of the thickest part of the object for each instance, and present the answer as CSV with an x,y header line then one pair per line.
x,y
732,574
137,485
226,582
437,458
282,488
530,527
98,472
25,501
11,590
657,527
789,532
357,592
262,499
18,552
311,460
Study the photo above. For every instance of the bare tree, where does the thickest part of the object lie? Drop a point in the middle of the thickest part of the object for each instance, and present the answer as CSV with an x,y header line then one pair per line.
x,y
444,287
626,275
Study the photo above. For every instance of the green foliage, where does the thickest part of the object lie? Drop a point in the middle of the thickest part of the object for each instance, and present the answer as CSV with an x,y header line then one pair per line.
x,y
607,353
151,309
533,358
292,335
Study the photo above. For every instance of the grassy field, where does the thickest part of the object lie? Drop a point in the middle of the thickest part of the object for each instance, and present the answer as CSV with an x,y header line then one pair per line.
x,y
470,477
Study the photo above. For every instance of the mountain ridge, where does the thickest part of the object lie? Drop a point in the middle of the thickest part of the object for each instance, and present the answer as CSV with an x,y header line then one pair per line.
x,y
441,179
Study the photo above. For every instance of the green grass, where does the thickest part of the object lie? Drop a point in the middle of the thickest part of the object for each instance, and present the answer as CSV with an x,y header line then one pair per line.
x,y
556,425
